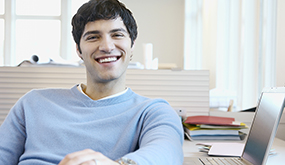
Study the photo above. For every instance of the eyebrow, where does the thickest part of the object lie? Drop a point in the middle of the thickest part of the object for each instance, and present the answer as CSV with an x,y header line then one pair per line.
x,y
98,32
90,32
118,30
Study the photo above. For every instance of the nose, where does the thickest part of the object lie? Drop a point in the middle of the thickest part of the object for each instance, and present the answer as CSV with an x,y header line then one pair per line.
x,y
106,45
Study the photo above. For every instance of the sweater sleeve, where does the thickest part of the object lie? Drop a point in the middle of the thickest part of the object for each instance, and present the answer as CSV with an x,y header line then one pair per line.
x,y
12,133
161,138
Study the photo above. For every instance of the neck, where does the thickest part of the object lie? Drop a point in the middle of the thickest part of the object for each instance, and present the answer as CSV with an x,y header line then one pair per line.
x,y
98,91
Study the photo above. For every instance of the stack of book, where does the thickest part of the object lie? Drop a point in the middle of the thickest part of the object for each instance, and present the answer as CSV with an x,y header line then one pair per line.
x,y
213,128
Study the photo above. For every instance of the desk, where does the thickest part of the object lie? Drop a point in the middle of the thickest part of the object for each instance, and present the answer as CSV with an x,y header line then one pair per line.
x,y
191,150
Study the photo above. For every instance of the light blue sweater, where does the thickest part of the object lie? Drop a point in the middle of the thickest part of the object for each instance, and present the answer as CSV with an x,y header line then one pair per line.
x,y
47,124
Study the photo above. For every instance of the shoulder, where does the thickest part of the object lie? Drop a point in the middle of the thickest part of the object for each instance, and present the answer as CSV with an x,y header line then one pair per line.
x,y
153,105
149,100
45,94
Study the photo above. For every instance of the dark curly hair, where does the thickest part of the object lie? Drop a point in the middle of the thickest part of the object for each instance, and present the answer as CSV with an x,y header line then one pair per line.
x,y
102,10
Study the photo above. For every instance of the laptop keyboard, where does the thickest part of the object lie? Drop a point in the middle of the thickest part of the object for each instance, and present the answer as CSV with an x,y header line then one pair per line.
x,y
223,161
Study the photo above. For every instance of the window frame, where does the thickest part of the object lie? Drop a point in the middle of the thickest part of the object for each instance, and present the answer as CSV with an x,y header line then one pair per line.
x,y
10,17
251,64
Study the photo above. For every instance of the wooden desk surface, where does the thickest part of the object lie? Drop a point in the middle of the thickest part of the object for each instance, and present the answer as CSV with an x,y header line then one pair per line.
x,y
191,150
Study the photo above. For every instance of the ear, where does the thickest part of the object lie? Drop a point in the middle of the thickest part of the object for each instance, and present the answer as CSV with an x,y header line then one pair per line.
x,y
78,52
132,50
133,46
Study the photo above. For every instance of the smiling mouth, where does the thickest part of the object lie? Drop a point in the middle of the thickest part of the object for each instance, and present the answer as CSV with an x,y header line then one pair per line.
x,y
108,59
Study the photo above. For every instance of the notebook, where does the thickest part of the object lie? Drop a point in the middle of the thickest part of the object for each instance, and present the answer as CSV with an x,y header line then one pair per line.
x,y
262,131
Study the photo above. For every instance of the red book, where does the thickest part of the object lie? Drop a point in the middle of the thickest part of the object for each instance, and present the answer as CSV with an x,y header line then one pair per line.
x,y
211,120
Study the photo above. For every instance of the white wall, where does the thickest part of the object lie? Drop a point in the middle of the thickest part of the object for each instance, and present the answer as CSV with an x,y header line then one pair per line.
x,y
280,44
160,22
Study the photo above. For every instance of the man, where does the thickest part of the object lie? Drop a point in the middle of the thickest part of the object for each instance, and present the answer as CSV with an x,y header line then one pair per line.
x,y
102,122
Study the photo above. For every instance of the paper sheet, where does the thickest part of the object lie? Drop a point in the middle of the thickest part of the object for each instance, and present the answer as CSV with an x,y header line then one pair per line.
x,y
225,149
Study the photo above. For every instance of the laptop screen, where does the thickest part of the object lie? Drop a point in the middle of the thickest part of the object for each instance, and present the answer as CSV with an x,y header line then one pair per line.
x,y
264,127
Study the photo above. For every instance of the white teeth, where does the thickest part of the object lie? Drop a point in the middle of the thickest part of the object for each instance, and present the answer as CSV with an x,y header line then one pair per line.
x,y
109,59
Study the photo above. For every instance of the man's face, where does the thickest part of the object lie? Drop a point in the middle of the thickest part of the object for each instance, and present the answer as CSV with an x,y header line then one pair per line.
x,y
105,49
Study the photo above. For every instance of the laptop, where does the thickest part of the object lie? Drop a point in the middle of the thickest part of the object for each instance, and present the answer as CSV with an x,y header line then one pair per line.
x,y
261,134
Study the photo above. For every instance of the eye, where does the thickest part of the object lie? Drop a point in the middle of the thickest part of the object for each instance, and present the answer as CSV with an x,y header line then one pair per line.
x,y
118,35
92,37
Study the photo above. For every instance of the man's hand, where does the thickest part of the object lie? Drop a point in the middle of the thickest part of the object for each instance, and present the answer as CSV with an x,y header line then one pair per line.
x,y
87,157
